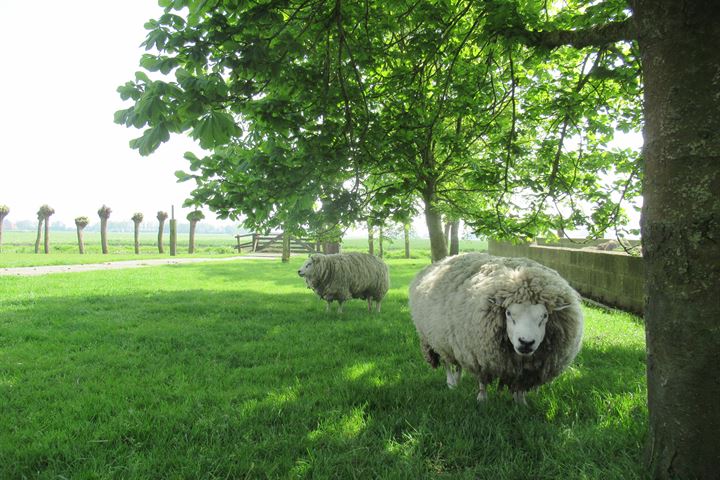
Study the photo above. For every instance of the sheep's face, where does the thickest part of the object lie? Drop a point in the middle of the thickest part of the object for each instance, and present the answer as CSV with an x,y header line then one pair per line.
x,y
306,269
526,326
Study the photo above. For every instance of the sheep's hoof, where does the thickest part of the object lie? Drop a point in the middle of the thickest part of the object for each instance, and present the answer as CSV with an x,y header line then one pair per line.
x,y
482,393
519,398
452,375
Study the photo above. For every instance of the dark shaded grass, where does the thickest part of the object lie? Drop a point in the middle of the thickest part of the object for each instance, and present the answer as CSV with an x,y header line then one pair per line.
x,y
235,370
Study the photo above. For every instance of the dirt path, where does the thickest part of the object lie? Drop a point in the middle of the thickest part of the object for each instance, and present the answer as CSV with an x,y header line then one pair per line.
x,y
48,269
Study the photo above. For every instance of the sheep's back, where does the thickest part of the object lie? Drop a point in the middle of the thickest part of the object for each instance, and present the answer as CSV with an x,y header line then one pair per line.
x,y
352,275
452,314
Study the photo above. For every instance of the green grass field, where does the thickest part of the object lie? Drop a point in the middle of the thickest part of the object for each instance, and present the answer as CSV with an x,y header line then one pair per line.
x,y
18,248
235,370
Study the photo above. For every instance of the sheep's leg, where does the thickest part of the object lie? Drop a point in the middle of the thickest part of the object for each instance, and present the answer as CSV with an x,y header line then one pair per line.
x,y
519,398
327,305
378,305
453,374
339,310
369,304
482,393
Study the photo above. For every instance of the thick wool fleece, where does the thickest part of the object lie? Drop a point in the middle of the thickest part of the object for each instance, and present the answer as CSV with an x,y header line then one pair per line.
x,y
343,276
458,307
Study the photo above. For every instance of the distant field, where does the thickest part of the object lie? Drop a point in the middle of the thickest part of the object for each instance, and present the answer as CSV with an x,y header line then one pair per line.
x,y
18,248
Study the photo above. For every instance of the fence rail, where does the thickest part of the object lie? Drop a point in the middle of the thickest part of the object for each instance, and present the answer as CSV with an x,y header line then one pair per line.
x,y
255,242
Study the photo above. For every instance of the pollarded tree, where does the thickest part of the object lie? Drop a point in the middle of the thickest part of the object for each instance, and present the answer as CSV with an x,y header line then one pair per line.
x,y
80,224
161,216
4,210
43,215
137,219
193,217
104,213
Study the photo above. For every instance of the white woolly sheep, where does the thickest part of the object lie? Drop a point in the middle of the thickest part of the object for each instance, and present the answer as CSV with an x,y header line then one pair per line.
x,y
342,276
509,319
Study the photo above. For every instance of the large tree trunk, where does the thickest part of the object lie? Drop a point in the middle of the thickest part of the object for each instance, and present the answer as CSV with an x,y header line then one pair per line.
x,y
39,236
81,243
681,233
455,237
433,219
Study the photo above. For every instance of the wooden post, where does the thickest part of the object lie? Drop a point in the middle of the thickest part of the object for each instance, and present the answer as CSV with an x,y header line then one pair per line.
x,y
237,237
173,233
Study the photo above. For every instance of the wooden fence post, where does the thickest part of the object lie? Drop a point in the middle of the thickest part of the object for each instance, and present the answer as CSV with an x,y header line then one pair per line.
x,y
173,233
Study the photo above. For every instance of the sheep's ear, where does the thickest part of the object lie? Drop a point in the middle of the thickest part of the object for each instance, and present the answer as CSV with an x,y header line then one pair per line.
x,y
561,307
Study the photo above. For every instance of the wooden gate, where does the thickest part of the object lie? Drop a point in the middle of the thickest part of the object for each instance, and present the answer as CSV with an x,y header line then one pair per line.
x,y
255,242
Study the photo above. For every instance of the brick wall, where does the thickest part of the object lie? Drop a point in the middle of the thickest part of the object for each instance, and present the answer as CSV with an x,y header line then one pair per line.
x,y
612,278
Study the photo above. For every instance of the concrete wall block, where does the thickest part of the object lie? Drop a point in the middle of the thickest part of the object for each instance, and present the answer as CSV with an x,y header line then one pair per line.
x,y
612,278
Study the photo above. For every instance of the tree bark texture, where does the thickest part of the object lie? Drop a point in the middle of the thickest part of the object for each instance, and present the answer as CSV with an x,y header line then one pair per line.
x,y
331,247
286,248
137,238
433,219
380,242
161,229
455,237
103,235
679,43
371,240
191,246
81,243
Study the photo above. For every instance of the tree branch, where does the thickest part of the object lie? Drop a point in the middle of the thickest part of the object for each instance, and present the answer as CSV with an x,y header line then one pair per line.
x,y
600,35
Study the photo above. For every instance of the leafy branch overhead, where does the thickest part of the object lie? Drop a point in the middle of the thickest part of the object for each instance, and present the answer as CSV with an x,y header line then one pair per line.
x,y
313,114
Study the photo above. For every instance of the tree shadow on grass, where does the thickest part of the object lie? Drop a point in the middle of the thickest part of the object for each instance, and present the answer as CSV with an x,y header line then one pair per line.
x,y
199,383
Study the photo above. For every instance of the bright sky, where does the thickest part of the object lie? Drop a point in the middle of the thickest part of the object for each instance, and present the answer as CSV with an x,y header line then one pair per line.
x,y
62,62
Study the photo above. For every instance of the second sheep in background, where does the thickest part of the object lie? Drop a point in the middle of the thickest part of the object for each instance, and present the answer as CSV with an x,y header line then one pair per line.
x,y
344,276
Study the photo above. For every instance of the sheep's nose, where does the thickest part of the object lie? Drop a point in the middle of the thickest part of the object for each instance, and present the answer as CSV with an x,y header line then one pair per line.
x,y
526,343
